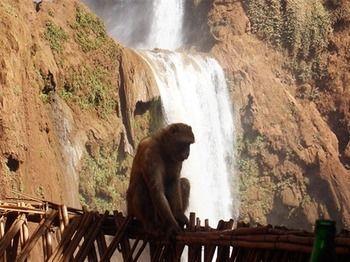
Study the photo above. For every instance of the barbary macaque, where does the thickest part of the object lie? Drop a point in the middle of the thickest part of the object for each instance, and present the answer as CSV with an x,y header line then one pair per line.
x,y
157,195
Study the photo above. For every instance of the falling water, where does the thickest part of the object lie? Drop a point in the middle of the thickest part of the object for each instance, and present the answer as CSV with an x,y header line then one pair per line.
x,y
166,25
193,90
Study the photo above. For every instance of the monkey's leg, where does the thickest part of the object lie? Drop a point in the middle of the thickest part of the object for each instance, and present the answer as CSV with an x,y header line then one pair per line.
x,y
185,192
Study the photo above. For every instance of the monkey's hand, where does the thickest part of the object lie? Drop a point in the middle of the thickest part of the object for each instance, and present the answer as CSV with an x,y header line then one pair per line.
x,y
182,220
172,231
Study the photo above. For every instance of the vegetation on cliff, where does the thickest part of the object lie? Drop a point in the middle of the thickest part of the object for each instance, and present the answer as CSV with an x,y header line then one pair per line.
x,y
300,26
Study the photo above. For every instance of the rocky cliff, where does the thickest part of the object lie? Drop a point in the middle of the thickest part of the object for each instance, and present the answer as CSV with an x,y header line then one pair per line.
x,y
292,146
70,97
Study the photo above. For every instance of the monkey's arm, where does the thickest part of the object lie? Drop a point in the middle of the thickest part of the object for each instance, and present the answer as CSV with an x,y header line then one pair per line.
x,y
175,200
154,182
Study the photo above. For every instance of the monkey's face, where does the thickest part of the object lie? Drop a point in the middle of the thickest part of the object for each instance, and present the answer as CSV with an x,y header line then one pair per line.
x,y
177,139
183,150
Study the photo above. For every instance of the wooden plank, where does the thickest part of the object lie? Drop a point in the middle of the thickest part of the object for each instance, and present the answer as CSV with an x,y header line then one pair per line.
x,y
5,242
38,232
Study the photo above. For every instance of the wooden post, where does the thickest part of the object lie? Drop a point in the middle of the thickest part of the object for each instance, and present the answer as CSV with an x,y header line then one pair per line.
x,y
198,223
192,221
61,221
65,215
206,224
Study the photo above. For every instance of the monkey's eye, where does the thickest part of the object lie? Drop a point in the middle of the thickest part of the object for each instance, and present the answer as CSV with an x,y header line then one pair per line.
x,y
184,145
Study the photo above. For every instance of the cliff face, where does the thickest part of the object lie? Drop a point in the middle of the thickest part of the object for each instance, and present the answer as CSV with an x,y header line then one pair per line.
x,y
66,92
288,146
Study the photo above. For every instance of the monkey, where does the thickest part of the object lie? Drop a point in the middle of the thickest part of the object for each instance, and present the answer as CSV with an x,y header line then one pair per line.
x,y
157,196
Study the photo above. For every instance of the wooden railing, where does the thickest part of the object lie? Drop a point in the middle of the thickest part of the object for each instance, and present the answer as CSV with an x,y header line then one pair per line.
x,y
45,231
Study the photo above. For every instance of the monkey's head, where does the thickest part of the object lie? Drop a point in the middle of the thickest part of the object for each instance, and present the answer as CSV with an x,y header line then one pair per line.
x,y
176,140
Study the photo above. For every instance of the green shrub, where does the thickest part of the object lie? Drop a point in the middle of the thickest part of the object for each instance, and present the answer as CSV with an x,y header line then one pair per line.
x,y
91,89
103,180
266,19
300,26
56,36
90,30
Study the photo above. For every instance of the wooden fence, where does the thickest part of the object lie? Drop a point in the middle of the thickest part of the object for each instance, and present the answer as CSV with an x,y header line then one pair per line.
x,y
33,231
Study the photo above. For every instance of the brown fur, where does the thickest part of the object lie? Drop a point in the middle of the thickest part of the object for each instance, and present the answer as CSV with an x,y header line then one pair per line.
x,y
157,196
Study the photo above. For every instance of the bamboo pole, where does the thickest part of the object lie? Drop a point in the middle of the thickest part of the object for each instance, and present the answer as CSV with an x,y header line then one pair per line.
x,y
12,249
224,251
43,240
24,233
129,258
92,256
65,215
206,224
48,237
39,231
198,223
68,253
2,234
124,242
192,221
90,238
11,233
140,251
113,245
101,244
61,222
66,238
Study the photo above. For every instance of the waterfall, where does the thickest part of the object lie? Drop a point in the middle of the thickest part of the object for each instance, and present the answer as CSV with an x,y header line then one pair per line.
x,y
193,90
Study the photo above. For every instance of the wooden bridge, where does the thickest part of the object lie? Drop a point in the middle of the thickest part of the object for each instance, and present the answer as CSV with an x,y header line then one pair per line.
x,y
44,231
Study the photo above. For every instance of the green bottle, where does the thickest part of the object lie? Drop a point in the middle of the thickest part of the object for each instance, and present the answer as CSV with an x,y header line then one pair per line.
x,y
324,246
